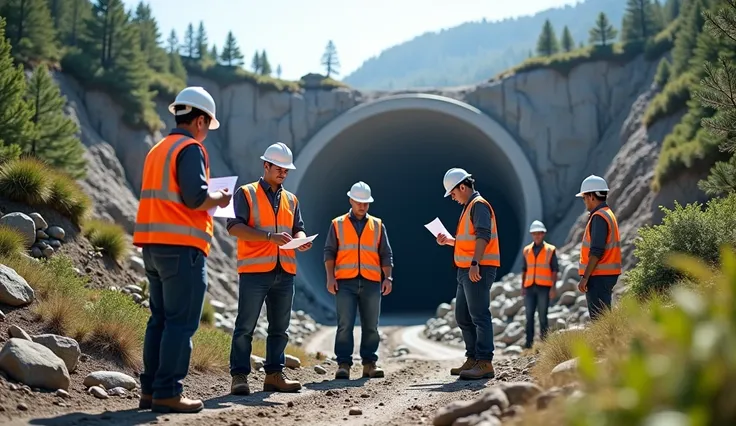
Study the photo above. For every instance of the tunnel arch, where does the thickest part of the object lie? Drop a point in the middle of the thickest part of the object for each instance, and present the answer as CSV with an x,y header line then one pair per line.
x,y
514,172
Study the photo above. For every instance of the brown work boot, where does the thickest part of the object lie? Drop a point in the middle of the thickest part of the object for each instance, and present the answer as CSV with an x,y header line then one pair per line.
x,y
467,365
482,369
145,402
177,404
278,382
370,370
343,371
239,385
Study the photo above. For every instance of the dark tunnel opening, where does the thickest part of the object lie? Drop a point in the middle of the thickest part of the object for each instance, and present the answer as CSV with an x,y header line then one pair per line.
x,y
403,156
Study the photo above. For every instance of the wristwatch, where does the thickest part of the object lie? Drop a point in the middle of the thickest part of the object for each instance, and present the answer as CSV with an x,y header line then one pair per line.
x,y
390,279
474,263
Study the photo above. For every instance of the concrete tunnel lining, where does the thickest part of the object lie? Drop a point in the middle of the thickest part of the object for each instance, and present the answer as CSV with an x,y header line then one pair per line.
x,y
407,114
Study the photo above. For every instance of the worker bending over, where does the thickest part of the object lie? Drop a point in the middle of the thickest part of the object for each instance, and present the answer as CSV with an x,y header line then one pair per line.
x,y
476,257
356,252
600,254
266,217
539,275
175,231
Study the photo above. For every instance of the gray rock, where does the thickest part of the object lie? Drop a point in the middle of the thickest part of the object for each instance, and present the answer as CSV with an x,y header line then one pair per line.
x,y
65,348
18,333
494,396
34,365
442,310
23,224
292,362
256,362
110,379
565,368
36,252
41,235
54,243
319,369
520,393
56,232
136,263
14,289
39,221
48,251
98,392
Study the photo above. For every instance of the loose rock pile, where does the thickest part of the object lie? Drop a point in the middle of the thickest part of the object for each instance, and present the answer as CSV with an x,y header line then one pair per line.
x,y
41,239
567,310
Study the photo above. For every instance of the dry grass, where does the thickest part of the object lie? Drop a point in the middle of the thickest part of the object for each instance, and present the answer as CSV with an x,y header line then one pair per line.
x,y
108,236
11,242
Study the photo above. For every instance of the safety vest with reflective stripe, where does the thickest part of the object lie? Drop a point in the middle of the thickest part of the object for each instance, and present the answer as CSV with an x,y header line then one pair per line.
x,y
357,255
610,263
162,216
538,268
465,239
261,256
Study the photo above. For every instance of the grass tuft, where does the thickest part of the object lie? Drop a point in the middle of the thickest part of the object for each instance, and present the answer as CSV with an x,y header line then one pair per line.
x,y
25,180
208,312
108,236
12,242
68,197
211,349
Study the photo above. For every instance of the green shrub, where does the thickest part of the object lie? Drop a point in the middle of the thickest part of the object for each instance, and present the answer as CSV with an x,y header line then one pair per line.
x,y
663,42
68,198
689,230
108,236
663,72
672,98
25,180
208,312
210,349
685,374
12,243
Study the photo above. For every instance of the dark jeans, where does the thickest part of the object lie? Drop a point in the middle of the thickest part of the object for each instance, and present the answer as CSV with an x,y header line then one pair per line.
x,y
365,296
600,290
536,299
276,288
177,280
473,314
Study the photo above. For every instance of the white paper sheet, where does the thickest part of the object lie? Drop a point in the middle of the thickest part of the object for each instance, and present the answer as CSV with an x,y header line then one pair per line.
x,y
216,184
436,227
298,242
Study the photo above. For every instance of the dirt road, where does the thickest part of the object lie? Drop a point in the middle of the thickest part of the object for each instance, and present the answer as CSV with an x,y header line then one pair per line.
x,y
414,387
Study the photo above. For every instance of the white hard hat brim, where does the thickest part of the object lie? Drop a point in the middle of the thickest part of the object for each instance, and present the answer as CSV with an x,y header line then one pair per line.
x,y
537,230
214,122
580,194
467,175
289,166
361,200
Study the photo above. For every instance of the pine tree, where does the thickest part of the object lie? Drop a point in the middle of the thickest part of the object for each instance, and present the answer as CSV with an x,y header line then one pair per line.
x,y
672,10
231,54
14,112
189,48
547,43
330,60
172,43
659,14
108,33
54,139
150,38
687,36
176,66
278,71
214,55
201,42
75,21
664,71
568,43
603,33
265,65
30,29
718,91
640,21
256,63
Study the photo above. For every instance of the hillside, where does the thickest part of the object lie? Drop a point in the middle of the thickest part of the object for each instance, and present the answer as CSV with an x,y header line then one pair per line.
x,y
473,51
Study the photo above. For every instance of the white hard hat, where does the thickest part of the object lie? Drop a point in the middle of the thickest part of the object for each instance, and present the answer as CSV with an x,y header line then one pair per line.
x,y
452,178
592,183
361,192
197,97
280,155
537,226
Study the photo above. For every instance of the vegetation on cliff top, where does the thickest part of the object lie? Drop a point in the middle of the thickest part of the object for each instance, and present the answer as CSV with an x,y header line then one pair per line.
x,y
109,48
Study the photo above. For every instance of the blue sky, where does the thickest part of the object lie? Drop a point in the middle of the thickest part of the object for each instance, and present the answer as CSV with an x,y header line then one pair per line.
x,y
294,33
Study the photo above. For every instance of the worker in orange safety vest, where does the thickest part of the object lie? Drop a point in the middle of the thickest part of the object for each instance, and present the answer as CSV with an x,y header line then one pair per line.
x,y
477,258
174,230
267,216
356,252
600,254
539,276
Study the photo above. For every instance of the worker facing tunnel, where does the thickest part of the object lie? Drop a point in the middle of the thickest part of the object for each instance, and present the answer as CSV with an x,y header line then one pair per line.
x,y
402,146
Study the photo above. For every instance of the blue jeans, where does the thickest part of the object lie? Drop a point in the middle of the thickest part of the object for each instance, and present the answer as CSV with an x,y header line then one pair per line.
x,y
365,296
276,288
536,299
473,314
177,283
599,294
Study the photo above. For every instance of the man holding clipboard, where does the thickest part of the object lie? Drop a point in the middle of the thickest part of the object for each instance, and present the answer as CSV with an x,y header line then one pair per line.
x,y
266,218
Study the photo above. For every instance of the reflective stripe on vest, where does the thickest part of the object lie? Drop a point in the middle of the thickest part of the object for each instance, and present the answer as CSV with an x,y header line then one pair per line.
x,y
538,268
261,256
610,262
357,255
465,240
162,216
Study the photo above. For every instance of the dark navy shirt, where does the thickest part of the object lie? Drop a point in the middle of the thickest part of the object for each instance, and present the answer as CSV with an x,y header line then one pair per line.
x,y
190,173
598,232
384,248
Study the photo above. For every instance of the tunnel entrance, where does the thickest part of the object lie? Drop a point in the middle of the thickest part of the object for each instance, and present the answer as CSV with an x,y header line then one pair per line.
x,y
402,148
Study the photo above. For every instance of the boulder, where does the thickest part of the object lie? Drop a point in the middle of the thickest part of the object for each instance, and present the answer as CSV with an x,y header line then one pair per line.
x,y
22,223
34,365
14,289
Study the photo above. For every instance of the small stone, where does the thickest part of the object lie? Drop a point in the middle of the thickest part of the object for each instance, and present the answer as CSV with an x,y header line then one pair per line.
x,y
292,362
39,221
22,407
48,251
56,232
355,411
290,404
41,235
98,392
319,369
61,393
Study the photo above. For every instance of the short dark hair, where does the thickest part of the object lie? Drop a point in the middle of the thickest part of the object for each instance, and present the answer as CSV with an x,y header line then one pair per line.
x,y
189,117
469,182
600,195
